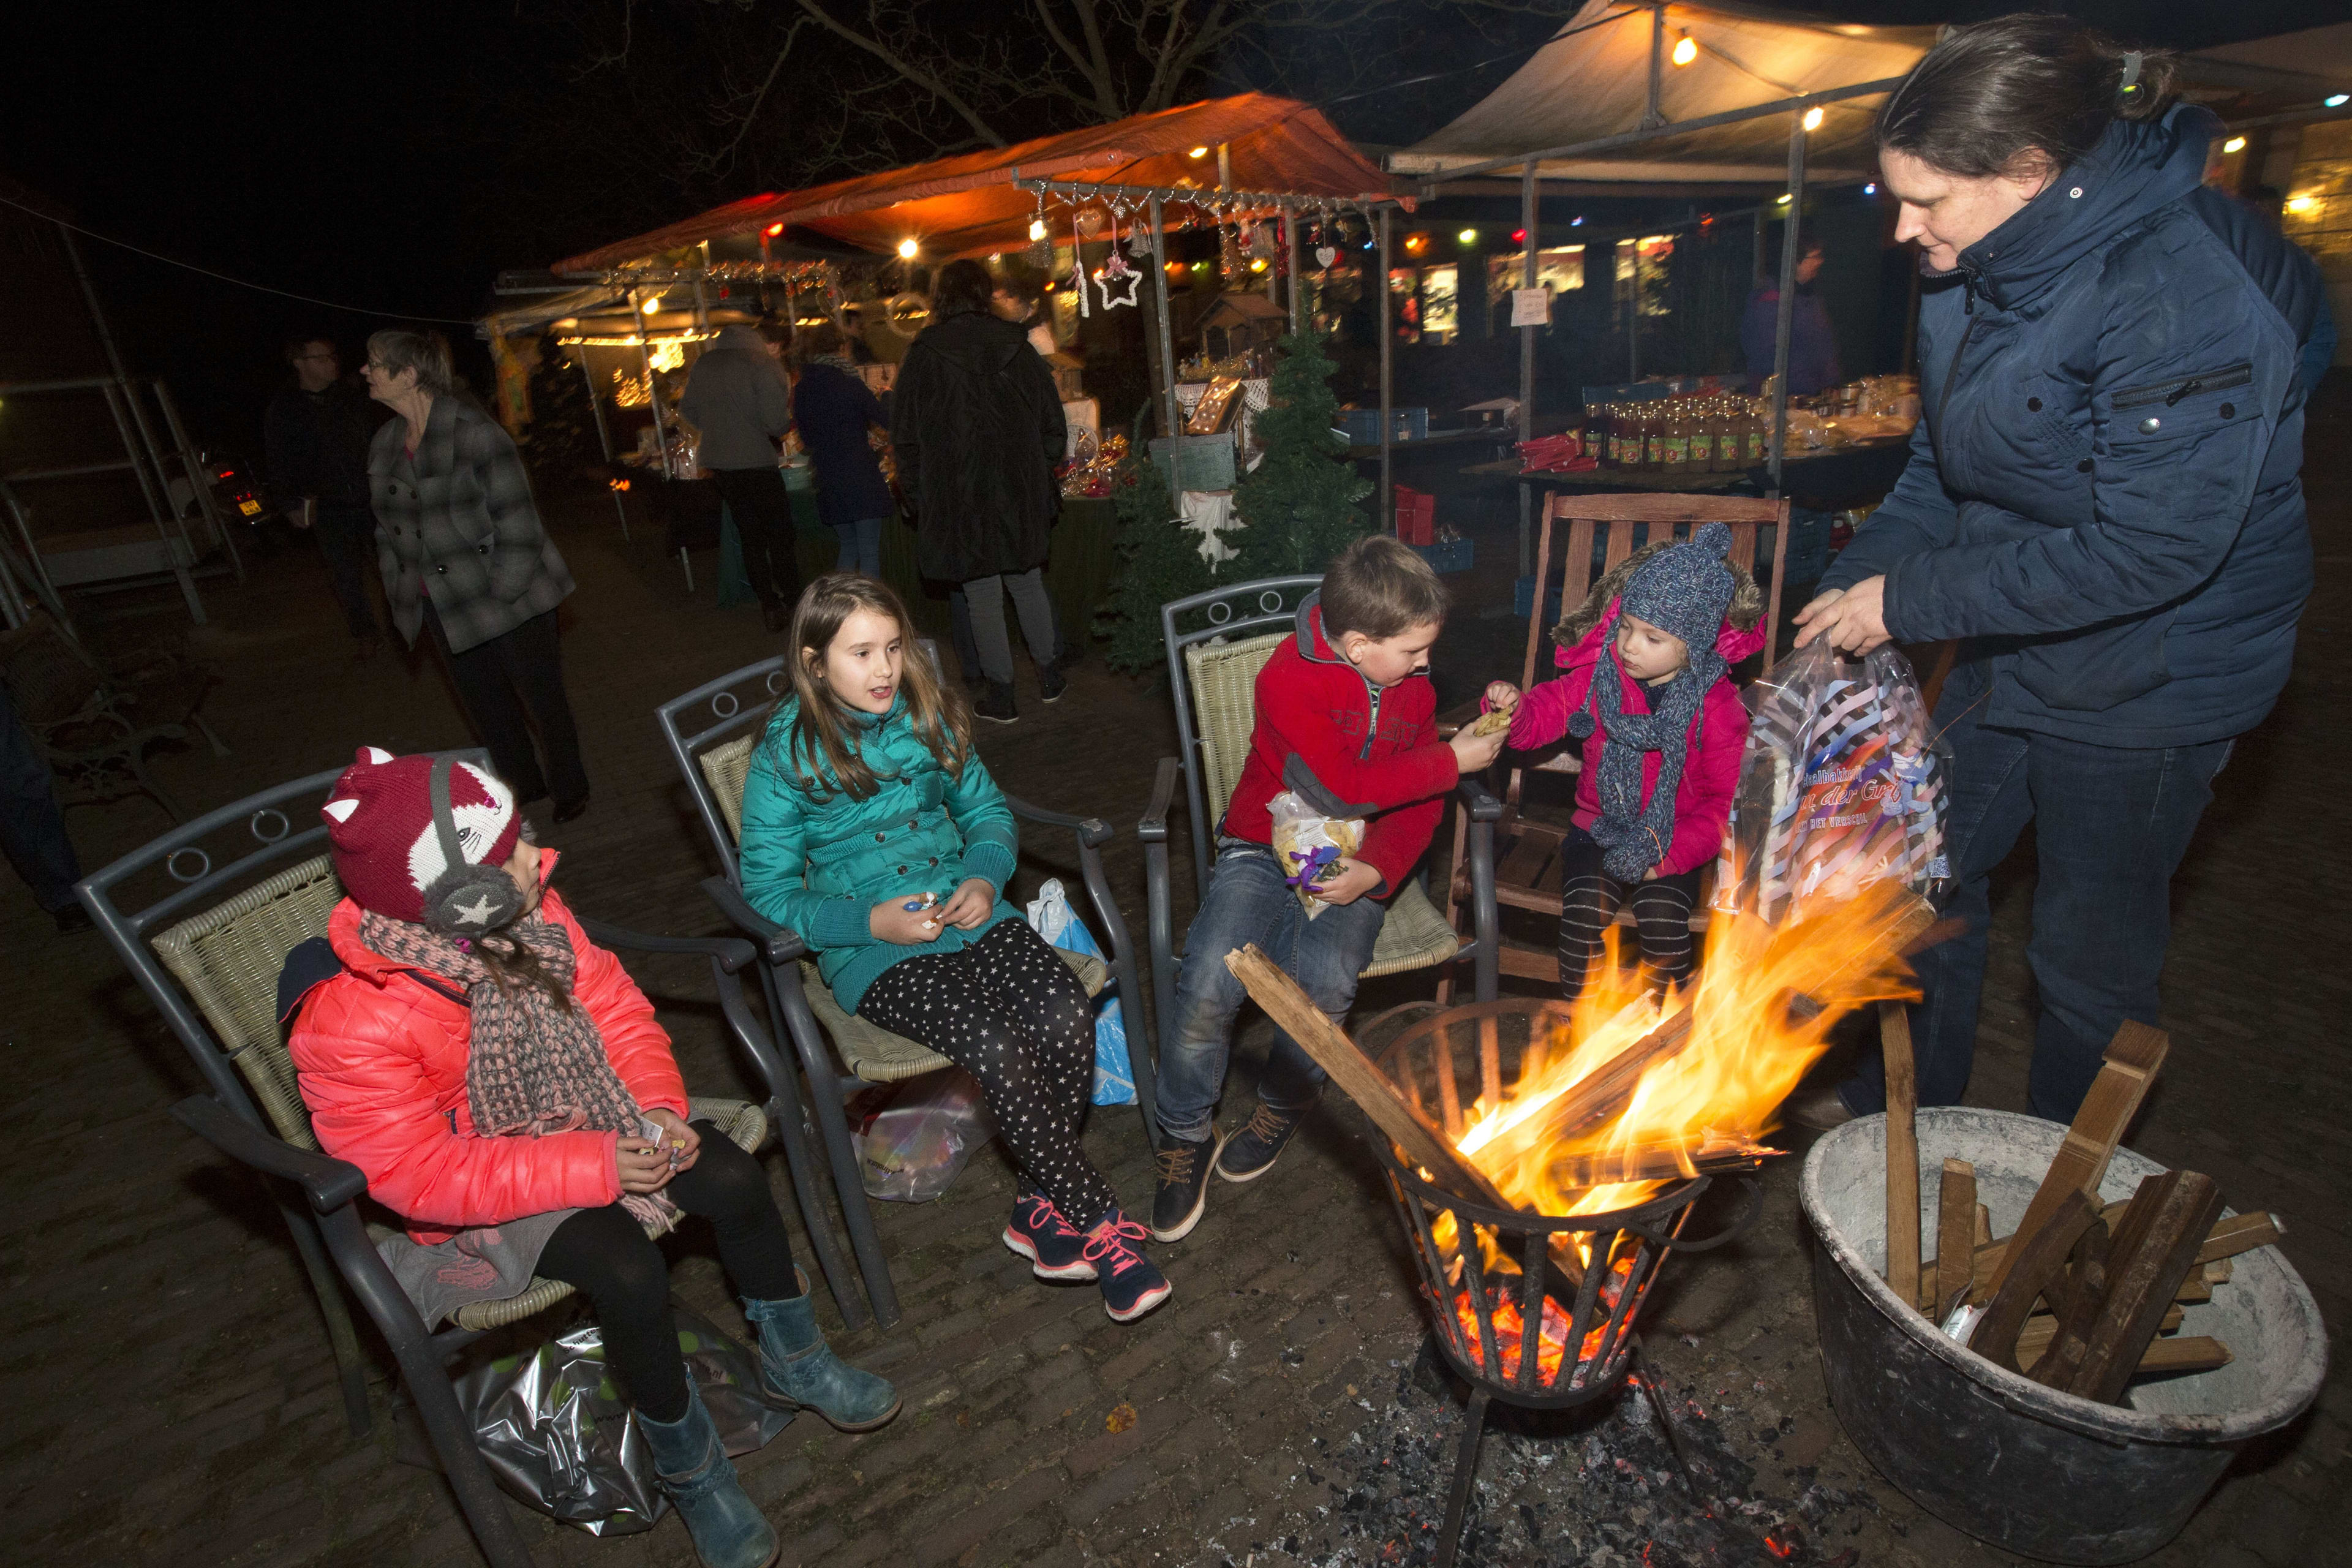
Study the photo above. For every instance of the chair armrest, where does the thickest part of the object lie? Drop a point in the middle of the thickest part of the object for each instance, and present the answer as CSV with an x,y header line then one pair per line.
x,y
1153,828
777,944
329,1183
1092,831
1479,799
732,953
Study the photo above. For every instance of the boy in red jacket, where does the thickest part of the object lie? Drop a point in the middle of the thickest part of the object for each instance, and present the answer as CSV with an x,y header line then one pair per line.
x,y
1345,717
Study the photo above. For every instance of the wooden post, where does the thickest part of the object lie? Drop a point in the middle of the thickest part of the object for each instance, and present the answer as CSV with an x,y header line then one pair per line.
x,y
1955,1212
2155,1246
2040,1254
1902,1154
2133,1057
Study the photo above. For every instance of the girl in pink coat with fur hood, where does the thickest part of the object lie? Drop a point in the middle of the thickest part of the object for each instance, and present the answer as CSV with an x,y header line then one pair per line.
x,y
1645,684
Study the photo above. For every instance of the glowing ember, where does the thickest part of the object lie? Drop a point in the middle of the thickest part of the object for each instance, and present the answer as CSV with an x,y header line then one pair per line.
x,y
1759,1015
1551,1348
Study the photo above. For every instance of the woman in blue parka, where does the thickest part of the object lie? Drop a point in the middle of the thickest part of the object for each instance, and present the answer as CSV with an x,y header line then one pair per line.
x,y
2103,500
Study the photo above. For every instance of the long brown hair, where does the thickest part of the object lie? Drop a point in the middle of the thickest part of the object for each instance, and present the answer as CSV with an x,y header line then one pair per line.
x,y
818,742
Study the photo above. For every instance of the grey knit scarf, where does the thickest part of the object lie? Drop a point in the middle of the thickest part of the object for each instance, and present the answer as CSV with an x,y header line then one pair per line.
x,y
1634,835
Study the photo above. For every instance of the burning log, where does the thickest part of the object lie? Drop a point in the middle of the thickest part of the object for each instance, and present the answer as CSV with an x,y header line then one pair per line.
x,y
2132,1059
1956,1217
1902,1153
1656,1162
1298,1016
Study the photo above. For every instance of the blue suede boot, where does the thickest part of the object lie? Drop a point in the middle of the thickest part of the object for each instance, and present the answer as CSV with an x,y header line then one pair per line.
x,y
728,1532
796,1365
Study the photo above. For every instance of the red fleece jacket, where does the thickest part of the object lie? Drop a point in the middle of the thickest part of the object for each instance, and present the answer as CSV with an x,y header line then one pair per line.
x,y
1718,735
381,1059
1369,745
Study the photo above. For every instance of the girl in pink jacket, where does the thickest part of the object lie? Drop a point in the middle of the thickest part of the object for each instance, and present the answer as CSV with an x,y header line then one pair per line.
x,y
1644,683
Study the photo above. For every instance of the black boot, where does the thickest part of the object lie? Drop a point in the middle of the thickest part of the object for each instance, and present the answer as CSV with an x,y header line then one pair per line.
x,y
998,704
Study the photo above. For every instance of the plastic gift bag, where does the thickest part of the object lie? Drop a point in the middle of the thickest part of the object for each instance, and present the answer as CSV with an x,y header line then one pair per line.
x,y
1309,844
1051,916
559,1436
915,1138
1844,784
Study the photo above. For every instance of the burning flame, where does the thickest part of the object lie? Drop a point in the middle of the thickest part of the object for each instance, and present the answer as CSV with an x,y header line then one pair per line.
x,y
1759,1016
1551,1347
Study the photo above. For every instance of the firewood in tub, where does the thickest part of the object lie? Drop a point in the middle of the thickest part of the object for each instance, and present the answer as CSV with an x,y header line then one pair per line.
x,y
2239,1233
1902,1153
2156,1246
1955,1212
1370,1088
2133,1059
2041,1255
2166,1353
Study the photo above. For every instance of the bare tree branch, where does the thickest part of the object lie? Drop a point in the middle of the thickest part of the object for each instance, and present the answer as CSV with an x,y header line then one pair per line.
x,y
928,80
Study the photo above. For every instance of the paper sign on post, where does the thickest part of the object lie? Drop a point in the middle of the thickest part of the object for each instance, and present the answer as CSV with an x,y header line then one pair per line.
x,y
1531,307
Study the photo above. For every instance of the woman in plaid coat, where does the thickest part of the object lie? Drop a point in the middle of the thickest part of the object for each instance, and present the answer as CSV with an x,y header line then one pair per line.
x,y
464,556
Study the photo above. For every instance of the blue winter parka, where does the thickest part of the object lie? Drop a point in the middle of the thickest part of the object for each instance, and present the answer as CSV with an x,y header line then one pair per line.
x,y
2104,494
819,860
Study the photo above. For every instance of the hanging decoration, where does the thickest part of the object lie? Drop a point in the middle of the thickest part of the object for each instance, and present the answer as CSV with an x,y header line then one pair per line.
x,y
1041,239
1263,239
1078,265
1118,274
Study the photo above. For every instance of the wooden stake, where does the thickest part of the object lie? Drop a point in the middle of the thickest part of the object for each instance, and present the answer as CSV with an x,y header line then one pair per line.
x,y
2155,1247
2132,1059
2033,1342
2241,1232
1298,1016
2041,1255
1902,1153
1955,1212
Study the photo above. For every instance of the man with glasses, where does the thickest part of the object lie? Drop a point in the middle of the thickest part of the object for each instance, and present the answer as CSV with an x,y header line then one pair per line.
x,y
316,435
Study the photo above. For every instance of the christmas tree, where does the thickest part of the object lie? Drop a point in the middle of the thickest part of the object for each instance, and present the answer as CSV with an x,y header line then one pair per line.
x,y
563,431
1299,502
1160,561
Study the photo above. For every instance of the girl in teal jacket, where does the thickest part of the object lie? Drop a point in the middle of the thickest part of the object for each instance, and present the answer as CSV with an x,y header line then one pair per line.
x,y
872,829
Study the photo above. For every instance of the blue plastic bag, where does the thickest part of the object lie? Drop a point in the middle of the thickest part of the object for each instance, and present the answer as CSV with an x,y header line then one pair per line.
x,y
1051,916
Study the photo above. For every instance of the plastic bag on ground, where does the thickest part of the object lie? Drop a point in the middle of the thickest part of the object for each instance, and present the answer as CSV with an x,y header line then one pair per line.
x,y
1308,844
560,1437
1844,782
914,1137
1051,916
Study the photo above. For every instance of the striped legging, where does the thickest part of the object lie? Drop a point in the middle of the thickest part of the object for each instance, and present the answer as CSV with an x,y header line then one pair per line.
x,y
1590,900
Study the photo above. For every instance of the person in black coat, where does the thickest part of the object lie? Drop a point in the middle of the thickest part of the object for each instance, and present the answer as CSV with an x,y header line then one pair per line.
x,y
978,428
315,435
834,410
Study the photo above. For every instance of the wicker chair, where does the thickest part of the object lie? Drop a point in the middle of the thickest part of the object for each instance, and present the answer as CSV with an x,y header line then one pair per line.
x,y
1525,871
711,732
1216,643
211,963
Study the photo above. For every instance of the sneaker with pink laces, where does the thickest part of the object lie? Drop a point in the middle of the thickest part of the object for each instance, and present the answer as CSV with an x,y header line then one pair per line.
x,y
1131,1283
1055,1248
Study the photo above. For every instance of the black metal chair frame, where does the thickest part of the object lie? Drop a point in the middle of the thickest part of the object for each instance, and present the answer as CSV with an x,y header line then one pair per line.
x,y
1244,610
330,1233
718,711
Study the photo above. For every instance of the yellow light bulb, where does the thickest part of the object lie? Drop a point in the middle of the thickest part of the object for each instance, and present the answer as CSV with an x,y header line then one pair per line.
x,y
650,306
1784,198
2234,144
1198,152
1259,265
1814,118
1036,229
1686,50
2301,203
906,248
1469,236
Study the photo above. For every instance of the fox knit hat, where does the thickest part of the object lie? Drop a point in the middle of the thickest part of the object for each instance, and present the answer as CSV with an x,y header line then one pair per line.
x,y
380,828
1685,590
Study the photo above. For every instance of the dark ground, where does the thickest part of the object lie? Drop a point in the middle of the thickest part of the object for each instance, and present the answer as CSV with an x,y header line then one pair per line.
x,y
169,1391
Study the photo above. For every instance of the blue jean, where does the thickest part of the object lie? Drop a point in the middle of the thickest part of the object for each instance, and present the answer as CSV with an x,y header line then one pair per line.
x,y
2111,825
31,827
861,546
1248,901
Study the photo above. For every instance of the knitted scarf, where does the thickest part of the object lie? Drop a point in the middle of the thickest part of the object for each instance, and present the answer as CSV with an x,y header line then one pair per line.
x,y
841,362
1634,835
533,1066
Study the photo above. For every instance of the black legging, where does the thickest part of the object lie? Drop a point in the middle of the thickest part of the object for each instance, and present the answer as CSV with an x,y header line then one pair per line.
x,y
606,1254
1008,1010
1590,900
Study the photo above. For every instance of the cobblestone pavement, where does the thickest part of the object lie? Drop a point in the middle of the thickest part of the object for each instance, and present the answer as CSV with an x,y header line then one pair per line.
x,y
169,1391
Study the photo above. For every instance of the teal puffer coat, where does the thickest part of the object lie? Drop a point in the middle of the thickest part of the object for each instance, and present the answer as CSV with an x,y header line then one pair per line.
x,y
818,863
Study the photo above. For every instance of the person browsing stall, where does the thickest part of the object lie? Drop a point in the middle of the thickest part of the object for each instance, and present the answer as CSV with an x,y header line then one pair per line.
x,y
873,830
2103,503
1645,682
1345,716
503,1085
837,414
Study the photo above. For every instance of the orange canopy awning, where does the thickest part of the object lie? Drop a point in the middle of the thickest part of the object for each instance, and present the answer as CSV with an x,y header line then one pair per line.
x,y
969,203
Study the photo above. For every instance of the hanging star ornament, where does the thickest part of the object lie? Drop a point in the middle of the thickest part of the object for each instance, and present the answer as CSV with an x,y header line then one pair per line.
x,y
1132,281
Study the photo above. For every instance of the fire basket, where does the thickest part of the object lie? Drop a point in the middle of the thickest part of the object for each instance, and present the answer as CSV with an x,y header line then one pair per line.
x,y
1489,1273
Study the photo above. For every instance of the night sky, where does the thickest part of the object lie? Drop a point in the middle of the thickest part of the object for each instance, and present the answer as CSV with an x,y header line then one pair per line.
x,y
394,157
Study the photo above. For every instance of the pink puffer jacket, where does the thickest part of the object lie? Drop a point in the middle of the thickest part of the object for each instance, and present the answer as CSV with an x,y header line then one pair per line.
x,y
382,1058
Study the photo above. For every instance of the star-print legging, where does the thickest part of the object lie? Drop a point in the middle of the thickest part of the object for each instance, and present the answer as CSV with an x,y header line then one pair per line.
x,y
1010,1012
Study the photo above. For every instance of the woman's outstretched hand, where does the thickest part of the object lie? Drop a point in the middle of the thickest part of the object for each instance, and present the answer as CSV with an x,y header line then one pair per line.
x,y
1853,619
969,906
892,921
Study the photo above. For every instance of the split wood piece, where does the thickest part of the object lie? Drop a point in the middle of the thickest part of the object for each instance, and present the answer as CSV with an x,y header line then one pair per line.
x,y
2039,1257
1655,1162
2218,1271
2035,1339
2132,1059
1956,1216
2076,1295
1983,1235
1370,1088
2041,1325
2155,1247
1902,1153
2241,1232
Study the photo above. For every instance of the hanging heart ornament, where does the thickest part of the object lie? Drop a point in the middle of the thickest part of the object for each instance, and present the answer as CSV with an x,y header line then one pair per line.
x,y
1325,254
